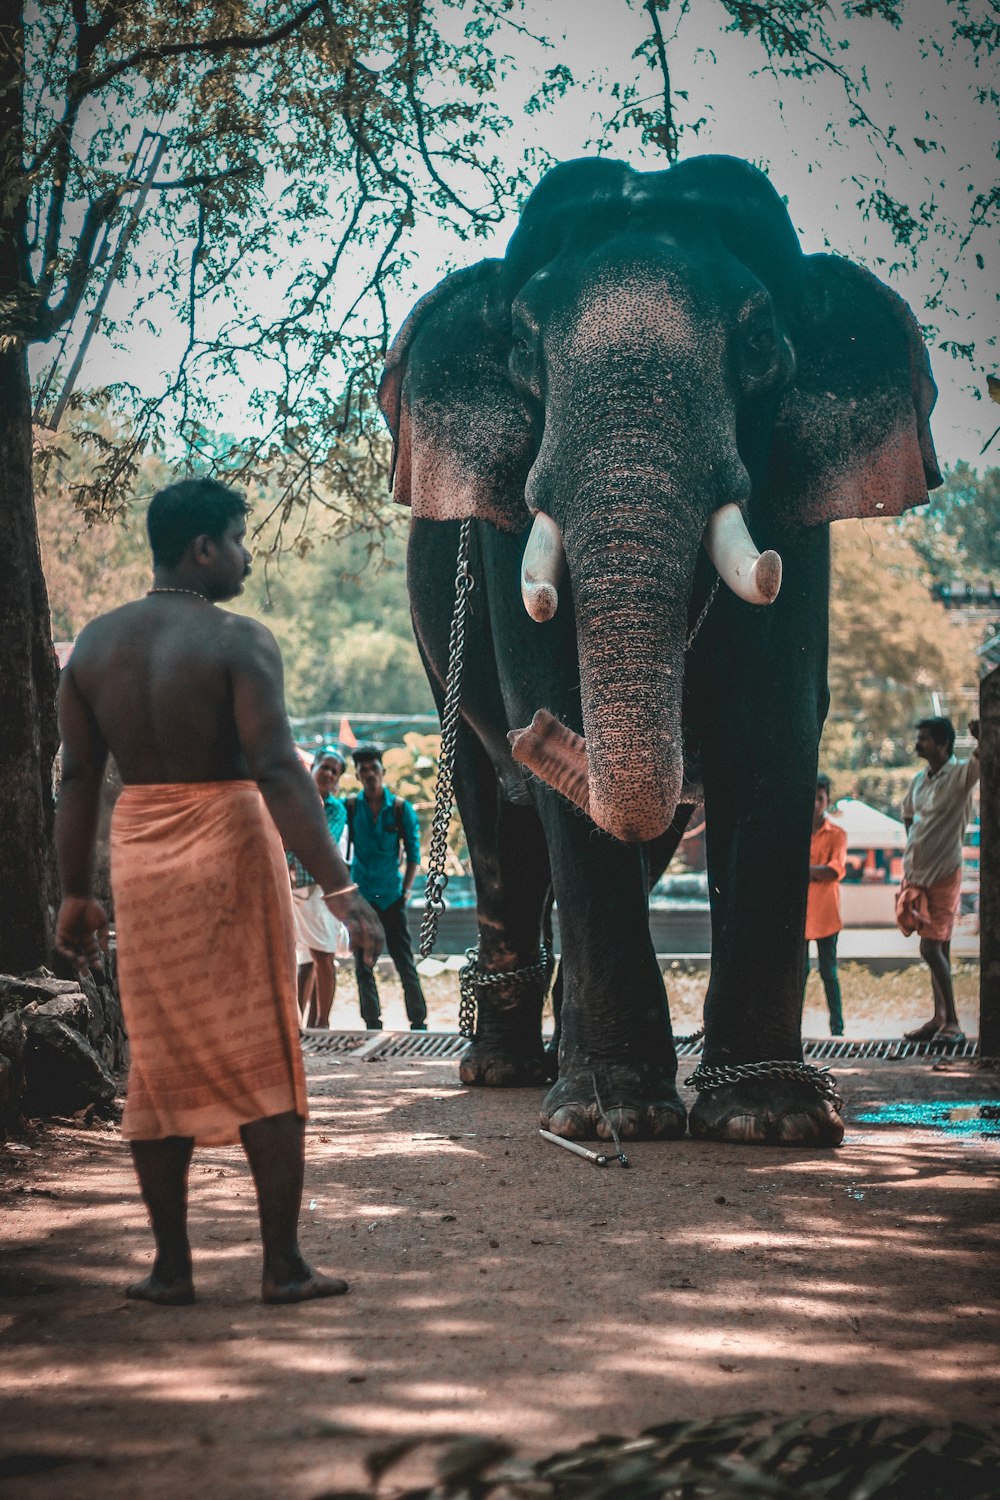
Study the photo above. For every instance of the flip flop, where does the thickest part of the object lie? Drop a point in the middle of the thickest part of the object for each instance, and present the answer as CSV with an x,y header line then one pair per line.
x,y
925,1033
948,1038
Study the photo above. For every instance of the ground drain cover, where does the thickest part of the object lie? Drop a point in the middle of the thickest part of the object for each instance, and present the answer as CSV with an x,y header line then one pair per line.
x,y
437,1045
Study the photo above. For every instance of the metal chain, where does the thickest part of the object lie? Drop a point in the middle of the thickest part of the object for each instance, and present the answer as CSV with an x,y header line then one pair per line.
x,y
472,977
701,618
434,903
820,1079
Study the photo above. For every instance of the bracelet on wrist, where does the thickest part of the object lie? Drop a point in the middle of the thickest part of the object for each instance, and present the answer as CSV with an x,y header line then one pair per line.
x,y
345,890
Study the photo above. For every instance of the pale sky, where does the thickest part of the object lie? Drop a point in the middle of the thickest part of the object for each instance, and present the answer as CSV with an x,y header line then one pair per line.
x,y
782,128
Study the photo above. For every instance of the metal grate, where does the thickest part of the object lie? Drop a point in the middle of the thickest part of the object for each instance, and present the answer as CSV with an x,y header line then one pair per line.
x,y
366,1045
432,1046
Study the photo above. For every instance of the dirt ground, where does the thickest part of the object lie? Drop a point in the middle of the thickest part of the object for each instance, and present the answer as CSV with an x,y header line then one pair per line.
x,y
500,1286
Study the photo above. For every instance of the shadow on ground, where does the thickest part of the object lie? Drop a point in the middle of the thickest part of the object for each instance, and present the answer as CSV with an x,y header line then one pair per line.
x,y
500,1288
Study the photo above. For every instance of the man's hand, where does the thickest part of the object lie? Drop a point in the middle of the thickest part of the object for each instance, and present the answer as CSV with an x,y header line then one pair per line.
x,y
82,932
367,937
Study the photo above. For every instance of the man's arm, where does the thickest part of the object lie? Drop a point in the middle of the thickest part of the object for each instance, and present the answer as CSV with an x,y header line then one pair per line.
x,y
286,786
972,767
411,843
82,923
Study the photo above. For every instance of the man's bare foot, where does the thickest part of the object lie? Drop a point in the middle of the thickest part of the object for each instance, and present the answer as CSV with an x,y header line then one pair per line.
x,y
925,1033
303,1288
179,1293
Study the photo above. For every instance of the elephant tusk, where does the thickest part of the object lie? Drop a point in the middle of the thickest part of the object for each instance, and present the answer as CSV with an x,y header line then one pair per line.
x,y
752,575
542,568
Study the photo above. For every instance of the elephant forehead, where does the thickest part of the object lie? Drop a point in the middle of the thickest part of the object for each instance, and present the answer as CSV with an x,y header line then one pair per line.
x,y
634,312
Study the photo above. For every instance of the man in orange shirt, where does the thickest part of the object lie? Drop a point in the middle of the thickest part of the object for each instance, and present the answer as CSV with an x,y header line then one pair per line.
x,y
827,863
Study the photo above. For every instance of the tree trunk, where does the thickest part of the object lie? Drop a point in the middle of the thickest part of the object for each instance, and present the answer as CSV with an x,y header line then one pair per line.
x,y
28,674
28,669
989,866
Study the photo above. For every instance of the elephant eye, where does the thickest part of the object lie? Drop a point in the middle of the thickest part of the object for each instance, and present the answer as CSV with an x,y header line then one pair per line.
x,y
760,339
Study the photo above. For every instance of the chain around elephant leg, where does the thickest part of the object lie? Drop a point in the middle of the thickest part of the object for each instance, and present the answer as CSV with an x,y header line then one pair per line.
x,y
776,1103
506,1049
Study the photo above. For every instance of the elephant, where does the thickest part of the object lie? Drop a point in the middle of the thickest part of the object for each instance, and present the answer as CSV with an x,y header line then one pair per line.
x,y
649,410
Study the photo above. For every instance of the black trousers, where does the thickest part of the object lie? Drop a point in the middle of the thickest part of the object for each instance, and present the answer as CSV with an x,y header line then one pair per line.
x,y
397,941
826,952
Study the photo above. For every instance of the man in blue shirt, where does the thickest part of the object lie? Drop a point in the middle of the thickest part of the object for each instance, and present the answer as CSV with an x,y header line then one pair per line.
x,y
378,823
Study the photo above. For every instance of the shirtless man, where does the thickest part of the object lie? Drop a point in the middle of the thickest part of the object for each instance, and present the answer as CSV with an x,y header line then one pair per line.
x,y
189,700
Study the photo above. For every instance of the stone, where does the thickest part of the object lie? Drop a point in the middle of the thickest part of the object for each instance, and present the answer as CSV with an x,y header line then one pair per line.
x,y
63,1073
71,1008
12,1038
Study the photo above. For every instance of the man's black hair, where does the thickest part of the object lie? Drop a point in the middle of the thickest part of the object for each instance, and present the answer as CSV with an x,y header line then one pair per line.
x,y
823,783
367,752
190,508
941,731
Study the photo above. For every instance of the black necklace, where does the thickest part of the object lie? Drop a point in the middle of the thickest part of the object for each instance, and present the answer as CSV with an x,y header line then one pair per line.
x,y
193,592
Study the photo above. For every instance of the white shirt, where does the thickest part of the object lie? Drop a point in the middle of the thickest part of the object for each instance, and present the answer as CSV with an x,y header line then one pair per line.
x,y
939,806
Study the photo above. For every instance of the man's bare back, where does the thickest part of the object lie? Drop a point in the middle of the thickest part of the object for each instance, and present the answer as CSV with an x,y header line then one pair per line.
x,y
158,676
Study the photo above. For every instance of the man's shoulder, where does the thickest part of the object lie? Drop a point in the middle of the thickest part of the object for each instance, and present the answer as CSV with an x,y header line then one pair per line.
x,y
245,640
113,623
835,832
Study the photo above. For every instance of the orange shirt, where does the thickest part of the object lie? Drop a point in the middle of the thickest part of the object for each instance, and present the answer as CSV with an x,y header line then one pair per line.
x,y
828,847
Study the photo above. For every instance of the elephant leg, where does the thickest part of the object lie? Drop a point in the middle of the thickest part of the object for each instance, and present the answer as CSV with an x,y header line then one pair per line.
x,y
511,866
759,765
615,1038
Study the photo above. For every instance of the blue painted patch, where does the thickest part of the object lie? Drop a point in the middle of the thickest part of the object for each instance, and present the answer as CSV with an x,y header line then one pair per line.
x,y
957,1116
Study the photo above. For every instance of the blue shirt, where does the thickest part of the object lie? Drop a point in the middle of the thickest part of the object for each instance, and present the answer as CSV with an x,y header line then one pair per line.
x,y
375,865
336,822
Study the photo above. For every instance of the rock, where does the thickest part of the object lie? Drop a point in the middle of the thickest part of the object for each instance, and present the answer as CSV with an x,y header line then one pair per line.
x,y
41,985
12,1038
107,1030
71,1008
62,1071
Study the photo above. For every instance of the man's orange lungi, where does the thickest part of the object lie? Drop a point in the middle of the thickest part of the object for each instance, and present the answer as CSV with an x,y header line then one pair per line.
x,y
206,961
929,910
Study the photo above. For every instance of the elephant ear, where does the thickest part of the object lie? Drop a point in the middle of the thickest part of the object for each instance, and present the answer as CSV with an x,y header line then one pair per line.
x,y
852,435
462,442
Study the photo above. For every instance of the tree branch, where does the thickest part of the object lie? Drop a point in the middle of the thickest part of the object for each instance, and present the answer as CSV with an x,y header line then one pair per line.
x,y
204,179
48,319
413,9
205,47
670,143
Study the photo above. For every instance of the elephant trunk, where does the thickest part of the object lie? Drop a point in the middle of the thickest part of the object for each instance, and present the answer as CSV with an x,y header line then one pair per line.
x,y
630,601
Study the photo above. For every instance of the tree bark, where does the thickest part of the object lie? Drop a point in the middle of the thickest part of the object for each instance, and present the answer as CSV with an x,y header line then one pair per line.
x,y
989,866
28,669
28,675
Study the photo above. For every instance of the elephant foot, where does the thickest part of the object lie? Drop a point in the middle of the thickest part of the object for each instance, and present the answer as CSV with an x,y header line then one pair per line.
x,y
640,1107
506,1053
767,1112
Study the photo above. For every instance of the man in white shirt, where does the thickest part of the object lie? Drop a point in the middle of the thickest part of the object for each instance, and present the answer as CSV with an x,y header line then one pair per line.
x,y
936,810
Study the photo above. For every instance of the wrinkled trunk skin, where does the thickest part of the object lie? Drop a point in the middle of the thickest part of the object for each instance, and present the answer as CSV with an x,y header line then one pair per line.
x,y
631,587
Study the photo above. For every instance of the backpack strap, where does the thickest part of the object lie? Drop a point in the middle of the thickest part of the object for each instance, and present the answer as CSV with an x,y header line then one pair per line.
x,y
350,807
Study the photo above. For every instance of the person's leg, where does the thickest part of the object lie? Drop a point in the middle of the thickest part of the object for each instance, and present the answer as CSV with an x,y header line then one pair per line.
x,y
805,968
162,1170
937,956
826,949
306,977
371,1010
397,941
326,988
275,1151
